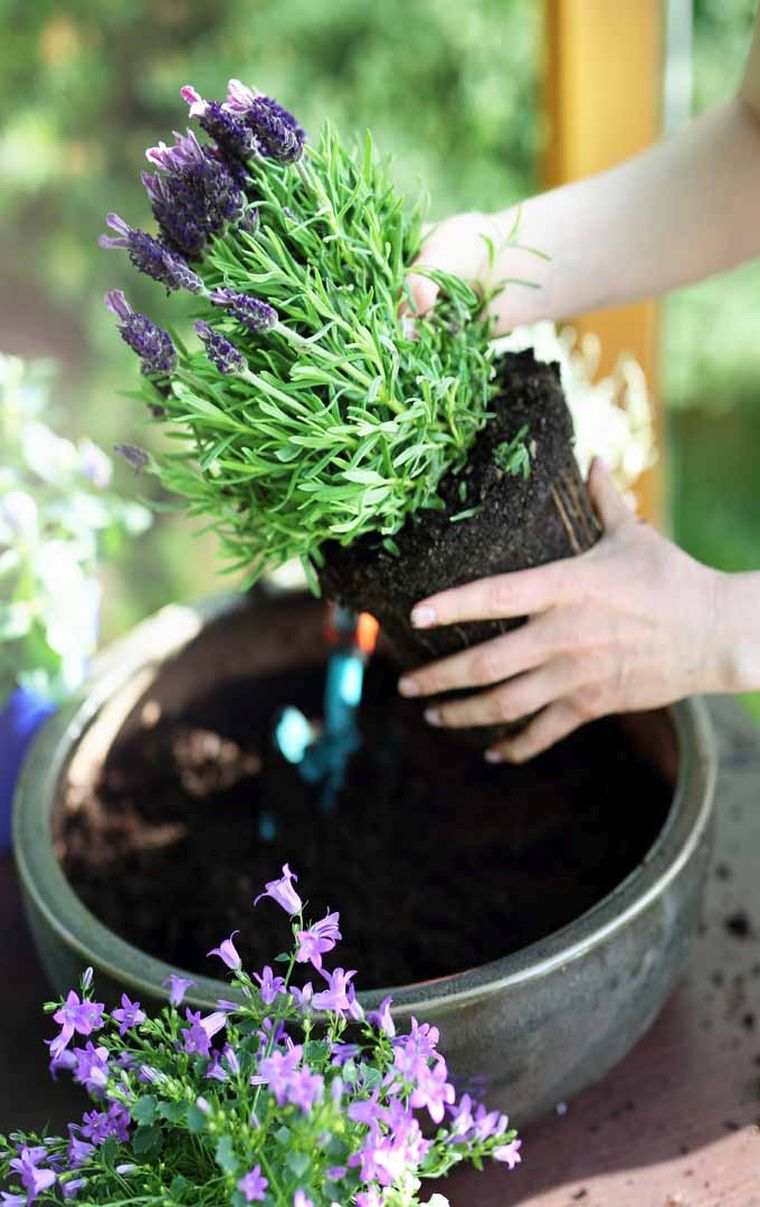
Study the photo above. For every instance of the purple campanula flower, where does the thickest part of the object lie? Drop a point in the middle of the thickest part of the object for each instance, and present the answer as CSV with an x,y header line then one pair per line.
x,y
78,1151
214,1070
253,1186
305,1089
178,987
151,343
227,360
341,1053
228,953
229,1056
368,1198
32,1178
278,134
196,198
336,1173
508,1153
128,1015
254,314
75,1015
270,985
301,1199
368,1111
336,997
318,940
276,1071
282,892
382,1018
227,130
92,1067
71,1189
302,997
97,1126
432,1089
197,1036
150,256
488,1123
12,1200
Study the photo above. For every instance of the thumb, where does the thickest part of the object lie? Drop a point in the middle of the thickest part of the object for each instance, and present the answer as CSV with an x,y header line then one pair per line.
x,y
609,504
423,291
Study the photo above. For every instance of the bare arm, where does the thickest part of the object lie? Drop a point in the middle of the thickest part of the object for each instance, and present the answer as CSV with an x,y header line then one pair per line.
x,y
678,212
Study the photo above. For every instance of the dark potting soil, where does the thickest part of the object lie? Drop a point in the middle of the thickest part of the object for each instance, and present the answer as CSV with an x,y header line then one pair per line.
x,y
437,861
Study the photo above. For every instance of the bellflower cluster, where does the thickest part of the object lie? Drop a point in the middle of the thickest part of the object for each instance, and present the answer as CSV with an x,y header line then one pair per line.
x,y
277,1094
310,412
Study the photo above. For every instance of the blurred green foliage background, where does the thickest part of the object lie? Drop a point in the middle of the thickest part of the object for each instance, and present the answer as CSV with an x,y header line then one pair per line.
x,y
448,86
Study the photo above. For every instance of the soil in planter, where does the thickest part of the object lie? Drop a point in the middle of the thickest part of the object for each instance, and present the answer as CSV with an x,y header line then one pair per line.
x,y
437,861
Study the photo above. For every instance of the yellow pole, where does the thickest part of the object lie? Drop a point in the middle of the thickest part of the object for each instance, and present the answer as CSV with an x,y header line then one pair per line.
x,y
602,103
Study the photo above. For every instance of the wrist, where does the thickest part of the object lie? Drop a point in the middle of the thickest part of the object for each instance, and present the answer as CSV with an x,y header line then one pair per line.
x,y
737,633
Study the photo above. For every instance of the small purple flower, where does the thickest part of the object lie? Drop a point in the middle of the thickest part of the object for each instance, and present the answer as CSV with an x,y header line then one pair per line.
x,y
214,1070
301,1199
276,1071
133,455
79,1151
229,1056
278,134
128,1015
303,997
71,1189
508,1153
231,134
92,1067
432,1089
382,1018
33,1179
75,1015
220,351
254,314
197,197
282,892
336,997
253,1186
178,987
196,1038
341,1053
151,343
150,256
305,1089
97,1126
270,985
318,940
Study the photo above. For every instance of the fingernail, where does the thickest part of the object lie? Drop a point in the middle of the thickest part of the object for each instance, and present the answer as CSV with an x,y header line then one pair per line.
x,y
423,617
433,716
408,687
494,756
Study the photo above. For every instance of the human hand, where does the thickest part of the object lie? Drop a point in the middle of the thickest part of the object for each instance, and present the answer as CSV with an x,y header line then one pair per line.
x,y
631,624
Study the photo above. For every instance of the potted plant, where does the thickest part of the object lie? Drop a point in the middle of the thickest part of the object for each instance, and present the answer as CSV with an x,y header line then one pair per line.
x,y
287,1093
57,519
392,457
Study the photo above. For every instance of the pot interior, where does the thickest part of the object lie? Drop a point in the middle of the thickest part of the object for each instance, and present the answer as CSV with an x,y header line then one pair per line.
x,y
175,809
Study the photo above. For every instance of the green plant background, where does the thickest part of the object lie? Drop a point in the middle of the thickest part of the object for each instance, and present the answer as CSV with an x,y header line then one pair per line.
x,y
449,87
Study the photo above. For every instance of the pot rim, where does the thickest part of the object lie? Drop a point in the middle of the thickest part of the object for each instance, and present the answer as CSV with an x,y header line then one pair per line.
x,y
164,635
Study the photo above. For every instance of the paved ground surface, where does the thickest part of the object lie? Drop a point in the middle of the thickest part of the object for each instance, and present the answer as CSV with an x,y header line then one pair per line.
x,y
675,1125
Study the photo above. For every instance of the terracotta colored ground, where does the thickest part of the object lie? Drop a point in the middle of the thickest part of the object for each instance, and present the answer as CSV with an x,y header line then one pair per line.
x,y
675,1125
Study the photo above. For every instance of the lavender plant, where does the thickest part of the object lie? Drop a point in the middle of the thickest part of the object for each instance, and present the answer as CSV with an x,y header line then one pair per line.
x,y
303,410
287,1095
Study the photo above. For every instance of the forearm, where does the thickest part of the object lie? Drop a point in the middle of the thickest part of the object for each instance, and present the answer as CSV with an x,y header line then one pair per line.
x,y
676,213
737,633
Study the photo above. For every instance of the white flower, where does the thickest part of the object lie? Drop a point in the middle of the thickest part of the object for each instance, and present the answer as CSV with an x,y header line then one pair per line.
x,y
49,456
18,517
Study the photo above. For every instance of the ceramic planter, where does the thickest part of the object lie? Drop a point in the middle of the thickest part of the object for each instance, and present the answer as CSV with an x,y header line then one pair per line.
x,y
531,1028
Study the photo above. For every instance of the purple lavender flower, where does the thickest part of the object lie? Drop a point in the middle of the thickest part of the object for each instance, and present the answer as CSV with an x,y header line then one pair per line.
x,y
92,1067
128,1015
75,1015
508,1153
318,940
278,134
33,1179
337,995
254,314
270,985
382,1018
151,343
223,354
282,892
253,1186
231,134
133,455
196,198
178,987
151,256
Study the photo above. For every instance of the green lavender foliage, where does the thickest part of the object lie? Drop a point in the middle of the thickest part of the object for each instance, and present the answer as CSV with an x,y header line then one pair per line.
x,y
343,423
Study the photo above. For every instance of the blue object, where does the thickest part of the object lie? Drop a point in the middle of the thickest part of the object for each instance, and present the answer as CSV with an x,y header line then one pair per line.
x,y
20,717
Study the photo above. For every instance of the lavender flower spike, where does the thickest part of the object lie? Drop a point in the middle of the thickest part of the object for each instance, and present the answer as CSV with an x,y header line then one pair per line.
x,y
197,197
150,256
278,134
250,311
219,350
231,134
151,343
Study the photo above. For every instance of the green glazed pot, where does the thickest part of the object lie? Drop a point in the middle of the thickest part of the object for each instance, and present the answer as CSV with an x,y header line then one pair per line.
x,y
530,1029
